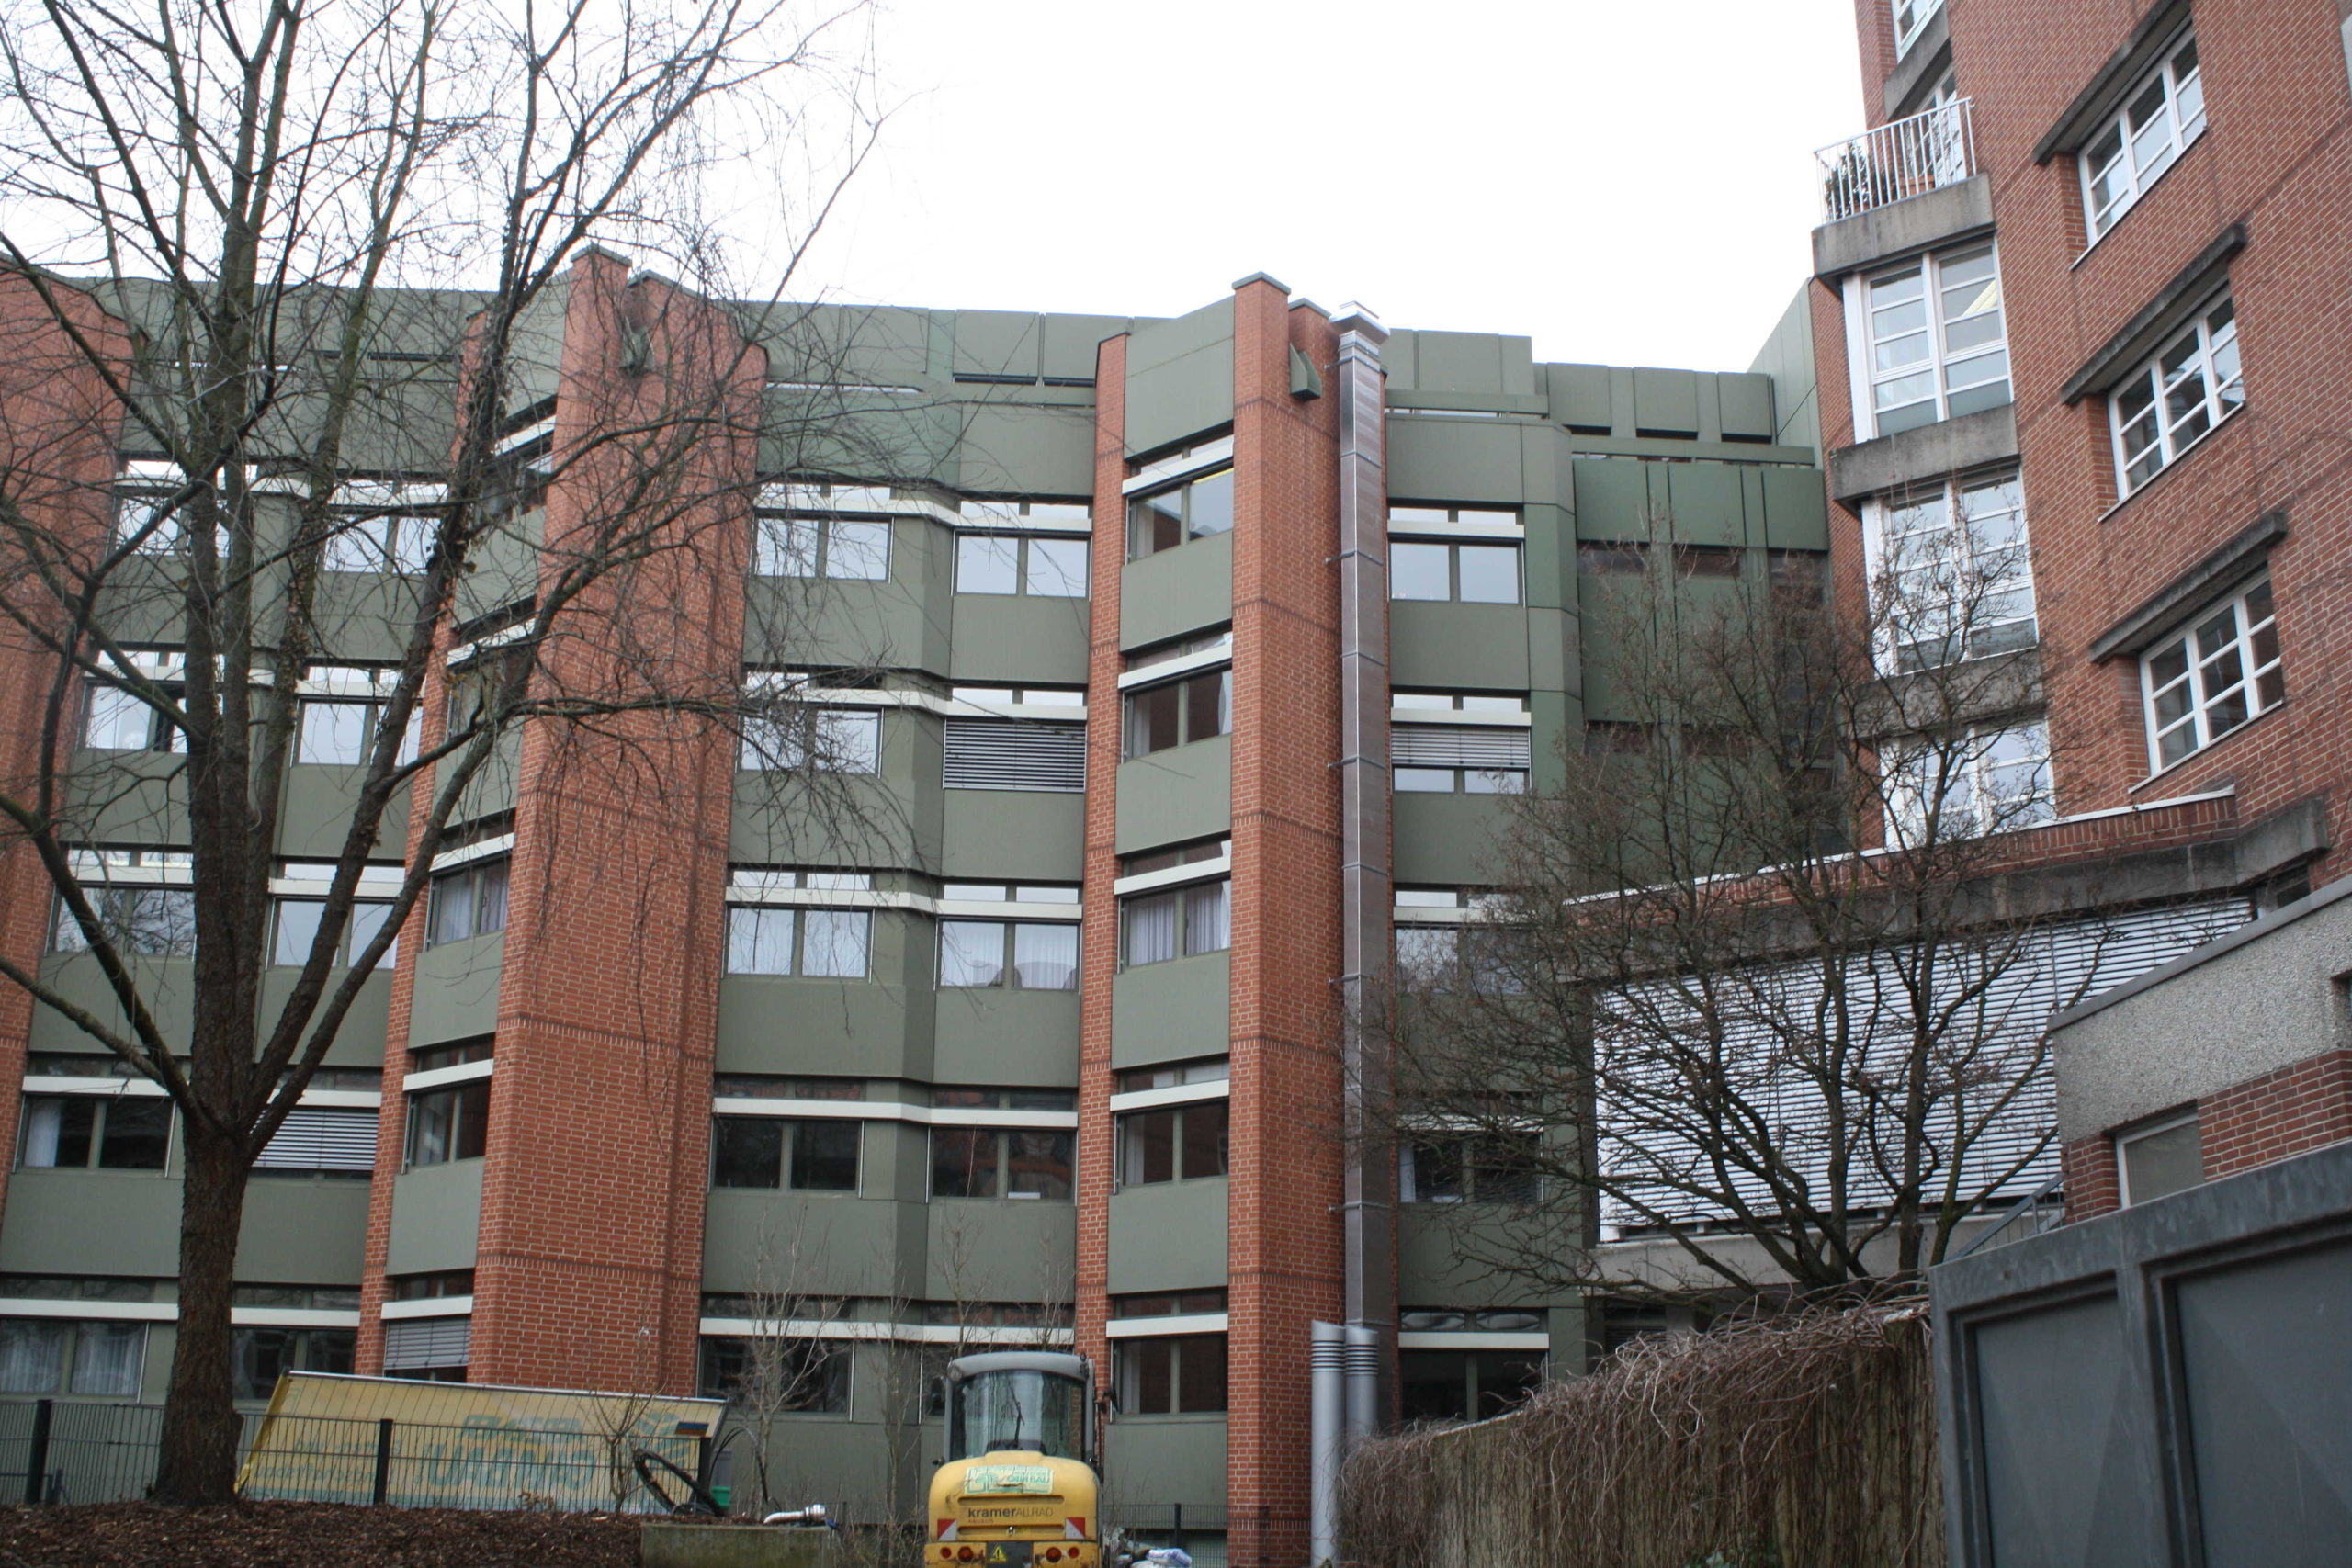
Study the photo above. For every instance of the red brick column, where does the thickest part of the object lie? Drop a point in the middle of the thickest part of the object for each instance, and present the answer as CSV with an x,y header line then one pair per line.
x,y
1098,950
1284,1242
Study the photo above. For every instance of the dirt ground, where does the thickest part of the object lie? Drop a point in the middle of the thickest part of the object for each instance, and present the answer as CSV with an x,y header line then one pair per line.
x,y
308,1535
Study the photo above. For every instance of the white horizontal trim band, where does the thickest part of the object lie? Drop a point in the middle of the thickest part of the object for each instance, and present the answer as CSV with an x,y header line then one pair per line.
x,y
919,903
1215,454
1434,1340
468,854
1401,714
336,1099
1175,1323
924,701
1170,669
435,1306
1174,1094
915,1332
895,1111
1175,875
438,1078
1514,532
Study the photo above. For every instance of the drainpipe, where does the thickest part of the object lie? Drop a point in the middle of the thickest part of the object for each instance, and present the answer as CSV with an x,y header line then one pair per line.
x,y
1326,1417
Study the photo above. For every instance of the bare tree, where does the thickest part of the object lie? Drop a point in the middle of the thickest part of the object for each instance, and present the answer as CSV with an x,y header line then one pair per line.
x,y
1756,981
796,1351
225,381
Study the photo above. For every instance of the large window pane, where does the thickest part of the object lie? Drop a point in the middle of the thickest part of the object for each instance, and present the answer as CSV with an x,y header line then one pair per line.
x,y
1045,957
1058,569
1150,925
1207,925
1154,719
1210,507
452,917
746,1151
1208,705
1490,574
1038,1164
986,564
759,940
1419,571
1148,1146
107,1357
858,550
473,1120
824,1156
367,919
849,740
971,952
785,547
1155,523
963,1162
138,1134
1199,1374
118,722
32,1355
298,930
1204,1135
60,1130
333,732
834,943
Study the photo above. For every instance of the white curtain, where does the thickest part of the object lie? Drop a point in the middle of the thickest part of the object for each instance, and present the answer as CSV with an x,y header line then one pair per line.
x,y
1208,923
105,1359
32,1355
1151,928
1046,956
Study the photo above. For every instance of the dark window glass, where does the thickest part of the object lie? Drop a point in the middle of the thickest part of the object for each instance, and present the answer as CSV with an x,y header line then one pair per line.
x,y
1184,1374
1210,508
1154,719
1151,1139
1205,1138
59,1131
1205,704
138,1134
963,1162
1038,1164
448,1124
1199,1372
473,1120
746,1151
824,1157
468,902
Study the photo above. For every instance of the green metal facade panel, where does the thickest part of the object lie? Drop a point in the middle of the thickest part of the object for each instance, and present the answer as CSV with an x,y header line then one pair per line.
x,y
1666,401
1449,840
1796,509
771,1024
1432,1270
999,1036
77,1223
1458,648
1703,499
315,812
303,1230
1443,461
756,1241
1169,1236
899,622
1612,498
1786,360
456,995
1467,362
360,1042
891,819
1011,639
1012,835
1580,396
1168,798
437,1217
1159,1459
1188,588
1011,448
1073,344
1180,378
166,984
1747,404
1173,1011
994,1249
997,343
129,797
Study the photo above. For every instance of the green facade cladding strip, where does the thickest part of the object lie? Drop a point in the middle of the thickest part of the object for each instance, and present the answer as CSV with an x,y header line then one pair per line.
x,y
1180,378
1169,1236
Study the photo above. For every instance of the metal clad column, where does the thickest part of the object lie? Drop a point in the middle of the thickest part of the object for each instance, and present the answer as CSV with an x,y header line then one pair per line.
x,y
1368,893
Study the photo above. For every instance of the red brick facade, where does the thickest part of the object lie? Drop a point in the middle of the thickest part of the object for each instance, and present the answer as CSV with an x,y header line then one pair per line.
x,y
2293,1110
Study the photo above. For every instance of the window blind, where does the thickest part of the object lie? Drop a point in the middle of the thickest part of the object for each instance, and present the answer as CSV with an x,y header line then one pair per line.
x,y
314,1139
1463,746
989,753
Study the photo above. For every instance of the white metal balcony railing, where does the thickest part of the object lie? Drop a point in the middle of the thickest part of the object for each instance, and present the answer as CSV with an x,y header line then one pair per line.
x,y
1906,158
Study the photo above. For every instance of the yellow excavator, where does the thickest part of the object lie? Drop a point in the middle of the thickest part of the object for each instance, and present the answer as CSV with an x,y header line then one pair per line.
x,y
1018,1488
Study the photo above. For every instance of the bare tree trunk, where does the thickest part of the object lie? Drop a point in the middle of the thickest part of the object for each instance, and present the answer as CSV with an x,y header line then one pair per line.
x,y
199,1463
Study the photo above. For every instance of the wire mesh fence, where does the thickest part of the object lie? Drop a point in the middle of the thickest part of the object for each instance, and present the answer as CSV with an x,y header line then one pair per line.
x,y
57,1451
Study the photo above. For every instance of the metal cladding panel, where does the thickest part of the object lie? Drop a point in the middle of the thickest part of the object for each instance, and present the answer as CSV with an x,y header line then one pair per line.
x,y
994,754
317,1139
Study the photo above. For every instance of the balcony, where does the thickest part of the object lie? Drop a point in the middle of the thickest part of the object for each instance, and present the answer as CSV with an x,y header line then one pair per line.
x,y
1896,162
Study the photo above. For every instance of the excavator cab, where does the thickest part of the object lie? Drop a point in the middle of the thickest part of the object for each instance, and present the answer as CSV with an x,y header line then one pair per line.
x,y
1017,1488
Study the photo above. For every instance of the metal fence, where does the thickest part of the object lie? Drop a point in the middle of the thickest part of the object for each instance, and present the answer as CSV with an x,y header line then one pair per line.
x,y
57,1451
1909,157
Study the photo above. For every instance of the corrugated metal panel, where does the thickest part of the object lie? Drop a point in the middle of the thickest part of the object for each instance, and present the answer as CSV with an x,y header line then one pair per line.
x,y
1655,1132
998,753
322,1140
428,1342
1443,746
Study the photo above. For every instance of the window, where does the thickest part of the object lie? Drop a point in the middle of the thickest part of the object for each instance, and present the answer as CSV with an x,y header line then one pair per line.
x,y
857,548
1169,652
1194,708
468,902
1471,1168
105,1132
322,1141
827,740
1464,1385
1434,958
1911,18
146,922
2155,125
806,1377
831,945
341,732
115,718
257,1356
56,1356
1988,780
2157,1161
1181,1375
2213,677
1954,579
1192,509
1183,921
1215,1069
1177,1143
2169,404
1473,574
1030,956
1621,558
1936,345
297,931
366,542
1008,754
988,1162
1459,760
429,1349
765,1151
448,1124
1038,567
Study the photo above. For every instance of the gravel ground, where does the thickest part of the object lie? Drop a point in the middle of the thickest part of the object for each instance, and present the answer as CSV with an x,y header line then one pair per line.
x,y
308,1535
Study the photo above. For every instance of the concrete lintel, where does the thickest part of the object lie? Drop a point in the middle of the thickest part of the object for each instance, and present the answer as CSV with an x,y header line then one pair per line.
x,y
1903,228
2155,616
2107,86
2158,319
1948,446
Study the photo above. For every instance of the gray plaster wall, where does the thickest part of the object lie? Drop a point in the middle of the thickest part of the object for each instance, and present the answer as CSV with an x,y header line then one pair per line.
x,y
2267,996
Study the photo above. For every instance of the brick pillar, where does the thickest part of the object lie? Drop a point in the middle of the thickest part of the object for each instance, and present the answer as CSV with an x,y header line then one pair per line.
x,y
593,1193
1098,950
58,432
1284,1241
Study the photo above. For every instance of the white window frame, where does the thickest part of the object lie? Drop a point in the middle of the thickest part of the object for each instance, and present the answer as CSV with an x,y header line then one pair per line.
x,y
1941,361
2254,611
2178,116
1921,13
2202,350
1952,554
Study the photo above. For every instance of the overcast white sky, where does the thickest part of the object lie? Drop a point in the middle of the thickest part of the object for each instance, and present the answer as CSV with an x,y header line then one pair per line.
x,y
1623,183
